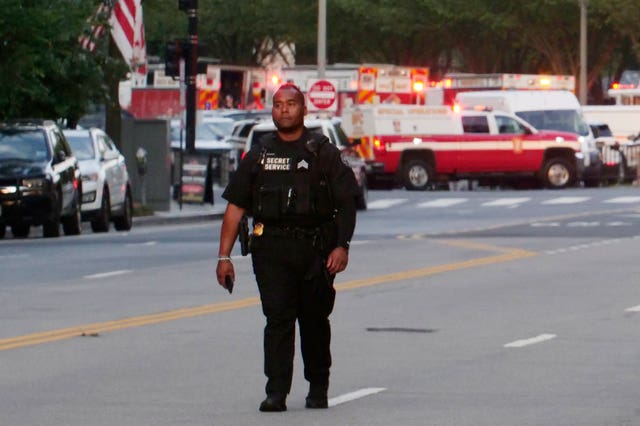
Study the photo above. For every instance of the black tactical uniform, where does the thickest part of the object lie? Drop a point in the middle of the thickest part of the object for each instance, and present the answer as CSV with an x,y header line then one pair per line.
x,y
302,199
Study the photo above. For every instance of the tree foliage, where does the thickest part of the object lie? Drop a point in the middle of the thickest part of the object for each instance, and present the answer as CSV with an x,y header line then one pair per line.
x,y
43,70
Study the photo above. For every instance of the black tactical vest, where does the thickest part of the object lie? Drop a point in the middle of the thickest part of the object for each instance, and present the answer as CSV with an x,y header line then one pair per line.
x,y
290,185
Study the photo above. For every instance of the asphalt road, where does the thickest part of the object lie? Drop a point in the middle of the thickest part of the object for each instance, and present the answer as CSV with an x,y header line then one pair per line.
x,y
458,308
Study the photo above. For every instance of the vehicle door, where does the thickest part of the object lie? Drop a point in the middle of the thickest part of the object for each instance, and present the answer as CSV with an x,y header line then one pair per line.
x,y
478,150
521,148
112,167
64,167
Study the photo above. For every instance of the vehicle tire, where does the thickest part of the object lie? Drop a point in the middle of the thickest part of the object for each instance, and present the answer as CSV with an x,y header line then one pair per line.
x,y
20,230
125,222
72,225
361,199
3,230
417,175
102,220
557,173
621,178
51,227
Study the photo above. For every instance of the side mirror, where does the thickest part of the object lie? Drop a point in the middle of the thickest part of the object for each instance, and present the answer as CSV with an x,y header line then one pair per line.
x,y
355,142
61,156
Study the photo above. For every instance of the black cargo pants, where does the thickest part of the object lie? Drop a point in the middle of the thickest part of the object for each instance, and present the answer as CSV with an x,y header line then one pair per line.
x,y
293,286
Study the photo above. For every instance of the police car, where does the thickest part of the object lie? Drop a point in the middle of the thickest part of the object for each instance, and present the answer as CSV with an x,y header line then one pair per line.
x,y
332,130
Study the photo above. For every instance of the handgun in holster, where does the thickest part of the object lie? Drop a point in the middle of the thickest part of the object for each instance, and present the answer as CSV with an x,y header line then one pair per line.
x,y
243,235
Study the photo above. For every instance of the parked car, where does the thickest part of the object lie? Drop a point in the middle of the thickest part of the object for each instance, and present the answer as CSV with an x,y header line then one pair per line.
x,y
106,195
330,128
40,181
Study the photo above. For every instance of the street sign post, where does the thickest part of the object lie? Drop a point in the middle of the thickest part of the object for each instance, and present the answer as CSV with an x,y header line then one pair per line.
x,y
322,96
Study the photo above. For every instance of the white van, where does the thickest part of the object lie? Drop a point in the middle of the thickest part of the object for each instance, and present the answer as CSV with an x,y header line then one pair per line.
x,y
545,110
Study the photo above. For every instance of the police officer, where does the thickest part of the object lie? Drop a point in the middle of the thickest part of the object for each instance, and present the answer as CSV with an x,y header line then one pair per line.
x,y
302,200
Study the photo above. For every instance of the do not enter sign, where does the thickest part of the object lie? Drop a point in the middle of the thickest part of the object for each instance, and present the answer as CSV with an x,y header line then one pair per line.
x,y
322,96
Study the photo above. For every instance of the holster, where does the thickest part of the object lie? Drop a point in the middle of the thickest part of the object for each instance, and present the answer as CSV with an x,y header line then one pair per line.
x,y
243,235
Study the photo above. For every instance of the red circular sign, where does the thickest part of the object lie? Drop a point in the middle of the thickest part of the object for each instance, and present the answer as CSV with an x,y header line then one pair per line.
x,y
322,94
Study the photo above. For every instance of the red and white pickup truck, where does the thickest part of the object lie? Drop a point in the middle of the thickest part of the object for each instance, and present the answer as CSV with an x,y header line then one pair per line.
x,y
419,145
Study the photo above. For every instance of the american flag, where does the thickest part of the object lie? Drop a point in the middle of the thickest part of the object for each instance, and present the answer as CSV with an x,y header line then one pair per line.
x,y
127,30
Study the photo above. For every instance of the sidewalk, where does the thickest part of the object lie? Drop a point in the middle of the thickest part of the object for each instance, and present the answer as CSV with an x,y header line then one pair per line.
x,y
190,212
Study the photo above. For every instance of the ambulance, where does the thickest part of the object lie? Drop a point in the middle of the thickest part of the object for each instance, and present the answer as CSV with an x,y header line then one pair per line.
x,y
419,146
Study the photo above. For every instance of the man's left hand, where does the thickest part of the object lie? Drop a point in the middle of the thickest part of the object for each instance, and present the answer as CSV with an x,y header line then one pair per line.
x,y
337,260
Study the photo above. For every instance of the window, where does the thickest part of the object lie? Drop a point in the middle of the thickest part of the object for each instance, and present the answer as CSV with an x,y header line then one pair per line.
x,y
508,125
475,124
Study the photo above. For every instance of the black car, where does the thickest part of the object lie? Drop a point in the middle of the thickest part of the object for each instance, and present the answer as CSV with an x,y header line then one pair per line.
x,y
40,180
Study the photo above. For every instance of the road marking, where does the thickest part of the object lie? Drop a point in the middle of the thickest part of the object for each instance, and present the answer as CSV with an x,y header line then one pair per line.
x,y
384,204
505,255
532,341
443,202
107,274
14,256
566,200
507,201
148,243
361,393
623,200
633,309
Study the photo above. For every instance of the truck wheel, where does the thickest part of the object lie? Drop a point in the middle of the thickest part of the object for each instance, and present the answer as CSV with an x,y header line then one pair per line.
x,y
51,227
20,230
361,199
417,175
3,229
557,173
103,219
125,222
72,225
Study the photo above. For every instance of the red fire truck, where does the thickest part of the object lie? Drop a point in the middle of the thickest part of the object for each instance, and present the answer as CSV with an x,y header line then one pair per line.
x,y
444,92
245,86
362,83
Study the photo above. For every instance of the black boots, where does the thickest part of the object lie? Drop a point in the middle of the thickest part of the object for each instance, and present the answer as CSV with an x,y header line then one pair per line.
x,y
317,397
274,403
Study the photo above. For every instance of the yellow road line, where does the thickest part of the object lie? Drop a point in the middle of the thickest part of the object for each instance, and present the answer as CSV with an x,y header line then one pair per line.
x,y
102,327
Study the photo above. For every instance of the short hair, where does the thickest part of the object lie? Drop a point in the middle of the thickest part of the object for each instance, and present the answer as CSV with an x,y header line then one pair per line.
x,y
293,87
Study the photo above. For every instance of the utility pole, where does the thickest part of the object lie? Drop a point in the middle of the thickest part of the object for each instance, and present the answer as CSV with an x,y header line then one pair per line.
x,y
191,69
583,52
322,38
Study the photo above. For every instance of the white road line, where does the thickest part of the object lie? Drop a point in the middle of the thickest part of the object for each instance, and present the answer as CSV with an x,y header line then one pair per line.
x,y
384,204
507,201
623,200
107,274
361,393
443,202
15,256
633,309
148,243
566,200
532,341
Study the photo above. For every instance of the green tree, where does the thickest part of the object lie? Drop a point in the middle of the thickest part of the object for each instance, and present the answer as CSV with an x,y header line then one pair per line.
x,y
43,70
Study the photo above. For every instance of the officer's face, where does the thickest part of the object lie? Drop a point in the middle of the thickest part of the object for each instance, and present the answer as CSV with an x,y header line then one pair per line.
x,y
288,110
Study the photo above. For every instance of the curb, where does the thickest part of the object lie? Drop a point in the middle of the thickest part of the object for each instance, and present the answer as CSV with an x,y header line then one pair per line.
x,y
176,219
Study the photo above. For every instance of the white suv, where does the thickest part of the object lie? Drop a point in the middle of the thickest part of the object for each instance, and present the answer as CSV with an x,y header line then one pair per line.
x,y
106,192
331,129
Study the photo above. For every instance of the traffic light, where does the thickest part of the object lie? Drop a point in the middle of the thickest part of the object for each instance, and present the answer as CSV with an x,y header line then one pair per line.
x,y
185,5
174,51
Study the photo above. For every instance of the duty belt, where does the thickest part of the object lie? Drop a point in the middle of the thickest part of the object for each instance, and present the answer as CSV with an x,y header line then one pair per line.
x,y
297,232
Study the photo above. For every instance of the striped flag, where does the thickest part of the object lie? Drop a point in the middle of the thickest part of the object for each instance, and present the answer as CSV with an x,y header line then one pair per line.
x,y
127,30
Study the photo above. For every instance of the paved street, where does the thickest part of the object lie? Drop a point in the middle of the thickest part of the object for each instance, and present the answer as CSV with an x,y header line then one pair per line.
x,y
458,308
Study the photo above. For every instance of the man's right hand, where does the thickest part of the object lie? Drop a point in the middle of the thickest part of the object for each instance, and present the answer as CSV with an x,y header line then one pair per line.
x,y
224,268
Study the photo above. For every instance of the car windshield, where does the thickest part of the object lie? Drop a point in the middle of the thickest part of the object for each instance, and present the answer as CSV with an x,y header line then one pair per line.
x,y
223,128
203,132
564,120
81,146
28,145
